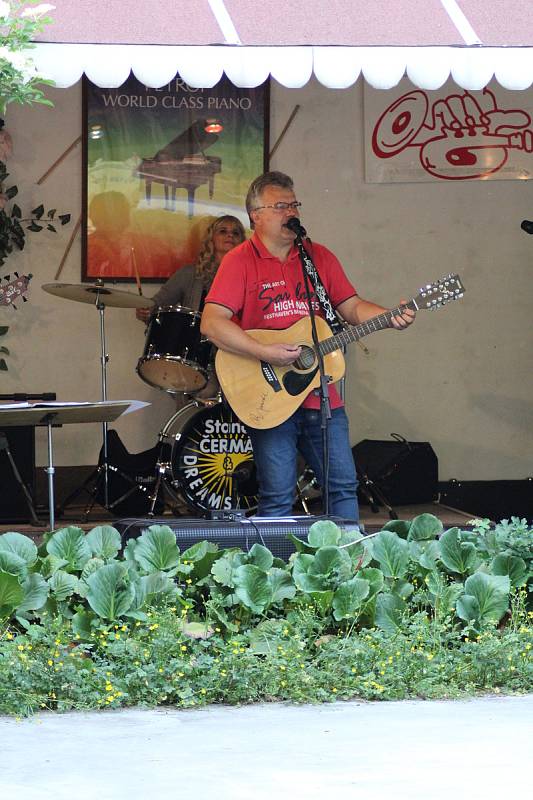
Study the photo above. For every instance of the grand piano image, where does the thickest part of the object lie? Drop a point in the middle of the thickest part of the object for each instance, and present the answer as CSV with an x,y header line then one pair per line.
x,y
183,164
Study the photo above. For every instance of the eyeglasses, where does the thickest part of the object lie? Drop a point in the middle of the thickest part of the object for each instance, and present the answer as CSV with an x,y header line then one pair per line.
x,y
281,206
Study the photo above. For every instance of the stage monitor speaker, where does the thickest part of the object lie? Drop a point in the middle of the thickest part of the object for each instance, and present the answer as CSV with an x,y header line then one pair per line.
x,y
242,533
405,472
21,440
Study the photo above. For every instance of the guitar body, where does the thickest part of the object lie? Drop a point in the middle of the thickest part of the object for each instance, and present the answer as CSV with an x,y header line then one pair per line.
x,y
263,395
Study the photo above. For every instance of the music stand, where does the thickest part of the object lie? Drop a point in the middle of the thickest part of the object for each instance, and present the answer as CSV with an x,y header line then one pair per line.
x,y
54,414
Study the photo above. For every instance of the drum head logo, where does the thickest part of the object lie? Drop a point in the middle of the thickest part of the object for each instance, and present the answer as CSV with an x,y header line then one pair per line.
x,y
215,463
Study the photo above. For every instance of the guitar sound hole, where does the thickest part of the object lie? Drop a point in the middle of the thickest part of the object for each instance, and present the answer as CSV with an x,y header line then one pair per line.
x,y
306,359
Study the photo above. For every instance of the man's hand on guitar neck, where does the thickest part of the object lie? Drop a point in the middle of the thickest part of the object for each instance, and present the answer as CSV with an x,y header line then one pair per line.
x,y
403,320
356,310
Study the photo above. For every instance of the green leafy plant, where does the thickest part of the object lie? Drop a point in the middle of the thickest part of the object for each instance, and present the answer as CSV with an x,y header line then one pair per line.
x,y
409,612
19,24
12,233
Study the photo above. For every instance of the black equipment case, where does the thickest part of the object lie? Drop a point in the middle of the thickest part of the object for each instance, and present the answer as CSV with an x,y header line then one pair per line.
x,y
404,472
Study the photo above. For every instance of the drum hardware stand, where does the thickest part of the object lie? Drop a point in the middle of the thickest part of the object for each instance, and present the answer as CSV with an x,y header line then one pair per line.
x,y
162,490
374,495
4,445
102,470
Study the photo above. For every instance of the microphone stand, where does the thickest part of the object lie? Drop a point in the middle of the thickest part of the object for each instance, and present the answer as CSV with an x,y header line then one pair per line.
x,y
325,408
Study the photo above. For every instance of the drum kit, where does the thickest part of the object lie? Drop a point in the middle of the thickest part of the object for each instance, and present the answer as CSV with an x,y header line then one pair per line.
x,y
204,457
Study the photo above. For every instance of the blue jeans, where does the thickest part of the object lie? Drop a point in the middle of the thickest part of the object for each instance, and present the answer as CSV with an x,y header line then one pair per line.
x,y
275,455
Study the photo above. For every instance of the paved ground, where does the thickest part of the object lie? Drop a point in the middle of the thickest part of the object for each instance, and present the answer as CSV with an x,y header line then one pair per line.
x,y
431,750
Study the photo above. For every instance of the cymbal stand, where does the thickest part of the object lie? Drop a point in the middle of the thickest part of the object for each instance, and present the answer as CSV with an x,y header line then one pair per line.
x,y
103,468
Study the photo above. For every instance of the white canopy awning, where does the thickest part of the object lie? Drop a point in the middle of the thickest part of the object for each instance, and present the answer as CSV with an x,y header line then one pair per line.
x,y
429,40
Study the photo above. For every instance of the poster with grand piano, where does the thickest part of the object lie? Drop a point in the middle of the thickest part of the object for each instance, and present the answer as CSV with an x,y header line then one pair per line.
x,y
159,165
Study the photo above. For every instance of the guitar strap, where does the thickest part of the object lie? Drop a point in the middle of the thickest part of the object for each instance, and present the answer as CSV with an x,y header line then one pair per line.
x,y
320,290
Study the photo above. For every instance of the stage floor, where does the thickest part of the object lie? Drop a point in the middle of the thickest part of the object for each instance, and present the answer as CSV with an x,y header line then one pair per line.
x,y
371,521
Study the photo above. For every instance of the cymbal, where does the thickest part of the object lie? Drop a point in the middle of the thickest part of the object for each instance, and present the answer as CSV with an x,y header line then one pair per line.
x,y
96,293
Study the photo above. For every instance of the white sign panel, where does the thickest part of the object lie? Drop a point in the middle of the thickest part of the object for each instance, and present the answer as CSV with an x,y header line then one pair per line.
x,y
451,134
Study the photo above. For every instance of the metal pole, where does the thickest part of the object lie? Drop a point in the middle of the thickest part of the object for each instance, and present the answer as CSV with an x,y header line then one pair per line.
x,y
104,358
50,471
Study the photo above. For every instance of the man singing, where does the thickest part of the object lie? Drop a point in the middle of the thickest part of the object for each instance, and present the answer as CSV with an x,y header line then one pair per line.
x,y
260,285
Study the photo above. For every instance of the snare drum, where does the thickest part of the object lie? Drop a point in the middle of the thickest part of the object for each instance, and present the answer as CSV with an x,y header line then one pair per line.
x,y
176,356
212,462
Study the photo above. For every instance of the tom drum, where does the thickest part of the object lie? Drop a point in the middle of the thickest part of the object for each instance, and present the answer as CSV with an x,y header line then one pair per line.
x,y
176,357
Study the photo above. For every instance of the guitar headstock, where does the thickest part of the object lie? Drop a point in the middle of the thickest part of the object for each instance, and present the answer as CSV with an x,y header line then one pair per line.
x,y
437,294
13,289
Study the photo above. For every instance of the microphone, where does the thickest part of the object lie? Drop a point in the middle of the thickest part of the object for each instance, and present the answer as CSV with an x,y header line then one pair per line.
x,y
294,225
526,225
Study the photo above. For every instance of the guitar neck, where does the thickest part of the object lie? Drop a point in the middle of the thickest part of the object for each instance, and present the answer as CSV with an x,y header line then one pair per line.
x,y
352,333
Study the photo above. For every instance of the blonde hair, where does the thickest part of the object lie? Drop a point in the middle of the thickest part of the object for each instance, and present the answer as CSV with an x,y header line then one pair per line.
x,y
206,265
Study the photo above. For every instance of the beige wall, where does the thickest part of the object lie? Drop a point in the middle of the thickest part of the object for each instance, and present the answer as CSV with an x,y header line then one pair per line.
x,y
460,378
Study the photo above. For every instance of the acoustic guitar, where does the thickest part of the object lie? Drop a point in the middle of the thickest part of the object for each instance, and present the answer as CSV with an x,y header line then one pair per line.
x,y
263,395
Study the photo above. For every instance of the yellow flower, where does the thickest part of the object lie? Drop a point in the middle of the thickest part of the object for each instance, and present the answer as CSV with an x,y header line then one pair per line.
x,y
160,669
108,687
21,647
204,691
183,648
117,635
282,668
429,656
334,690
50,663
9,635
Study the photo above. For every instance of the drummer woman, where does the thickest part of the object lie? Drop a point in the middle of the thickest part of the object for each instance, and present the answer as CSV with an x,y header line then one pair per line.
x,y
190,284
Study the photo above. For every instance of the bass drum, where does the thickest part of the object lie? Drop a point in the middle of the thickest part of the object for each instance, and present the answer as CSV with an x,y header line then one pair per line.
x,y
212,464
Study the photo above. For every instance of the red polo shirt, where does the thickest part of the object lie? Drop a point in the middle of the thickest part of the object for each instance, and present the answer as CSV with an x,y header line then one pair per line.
x,y
264,292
